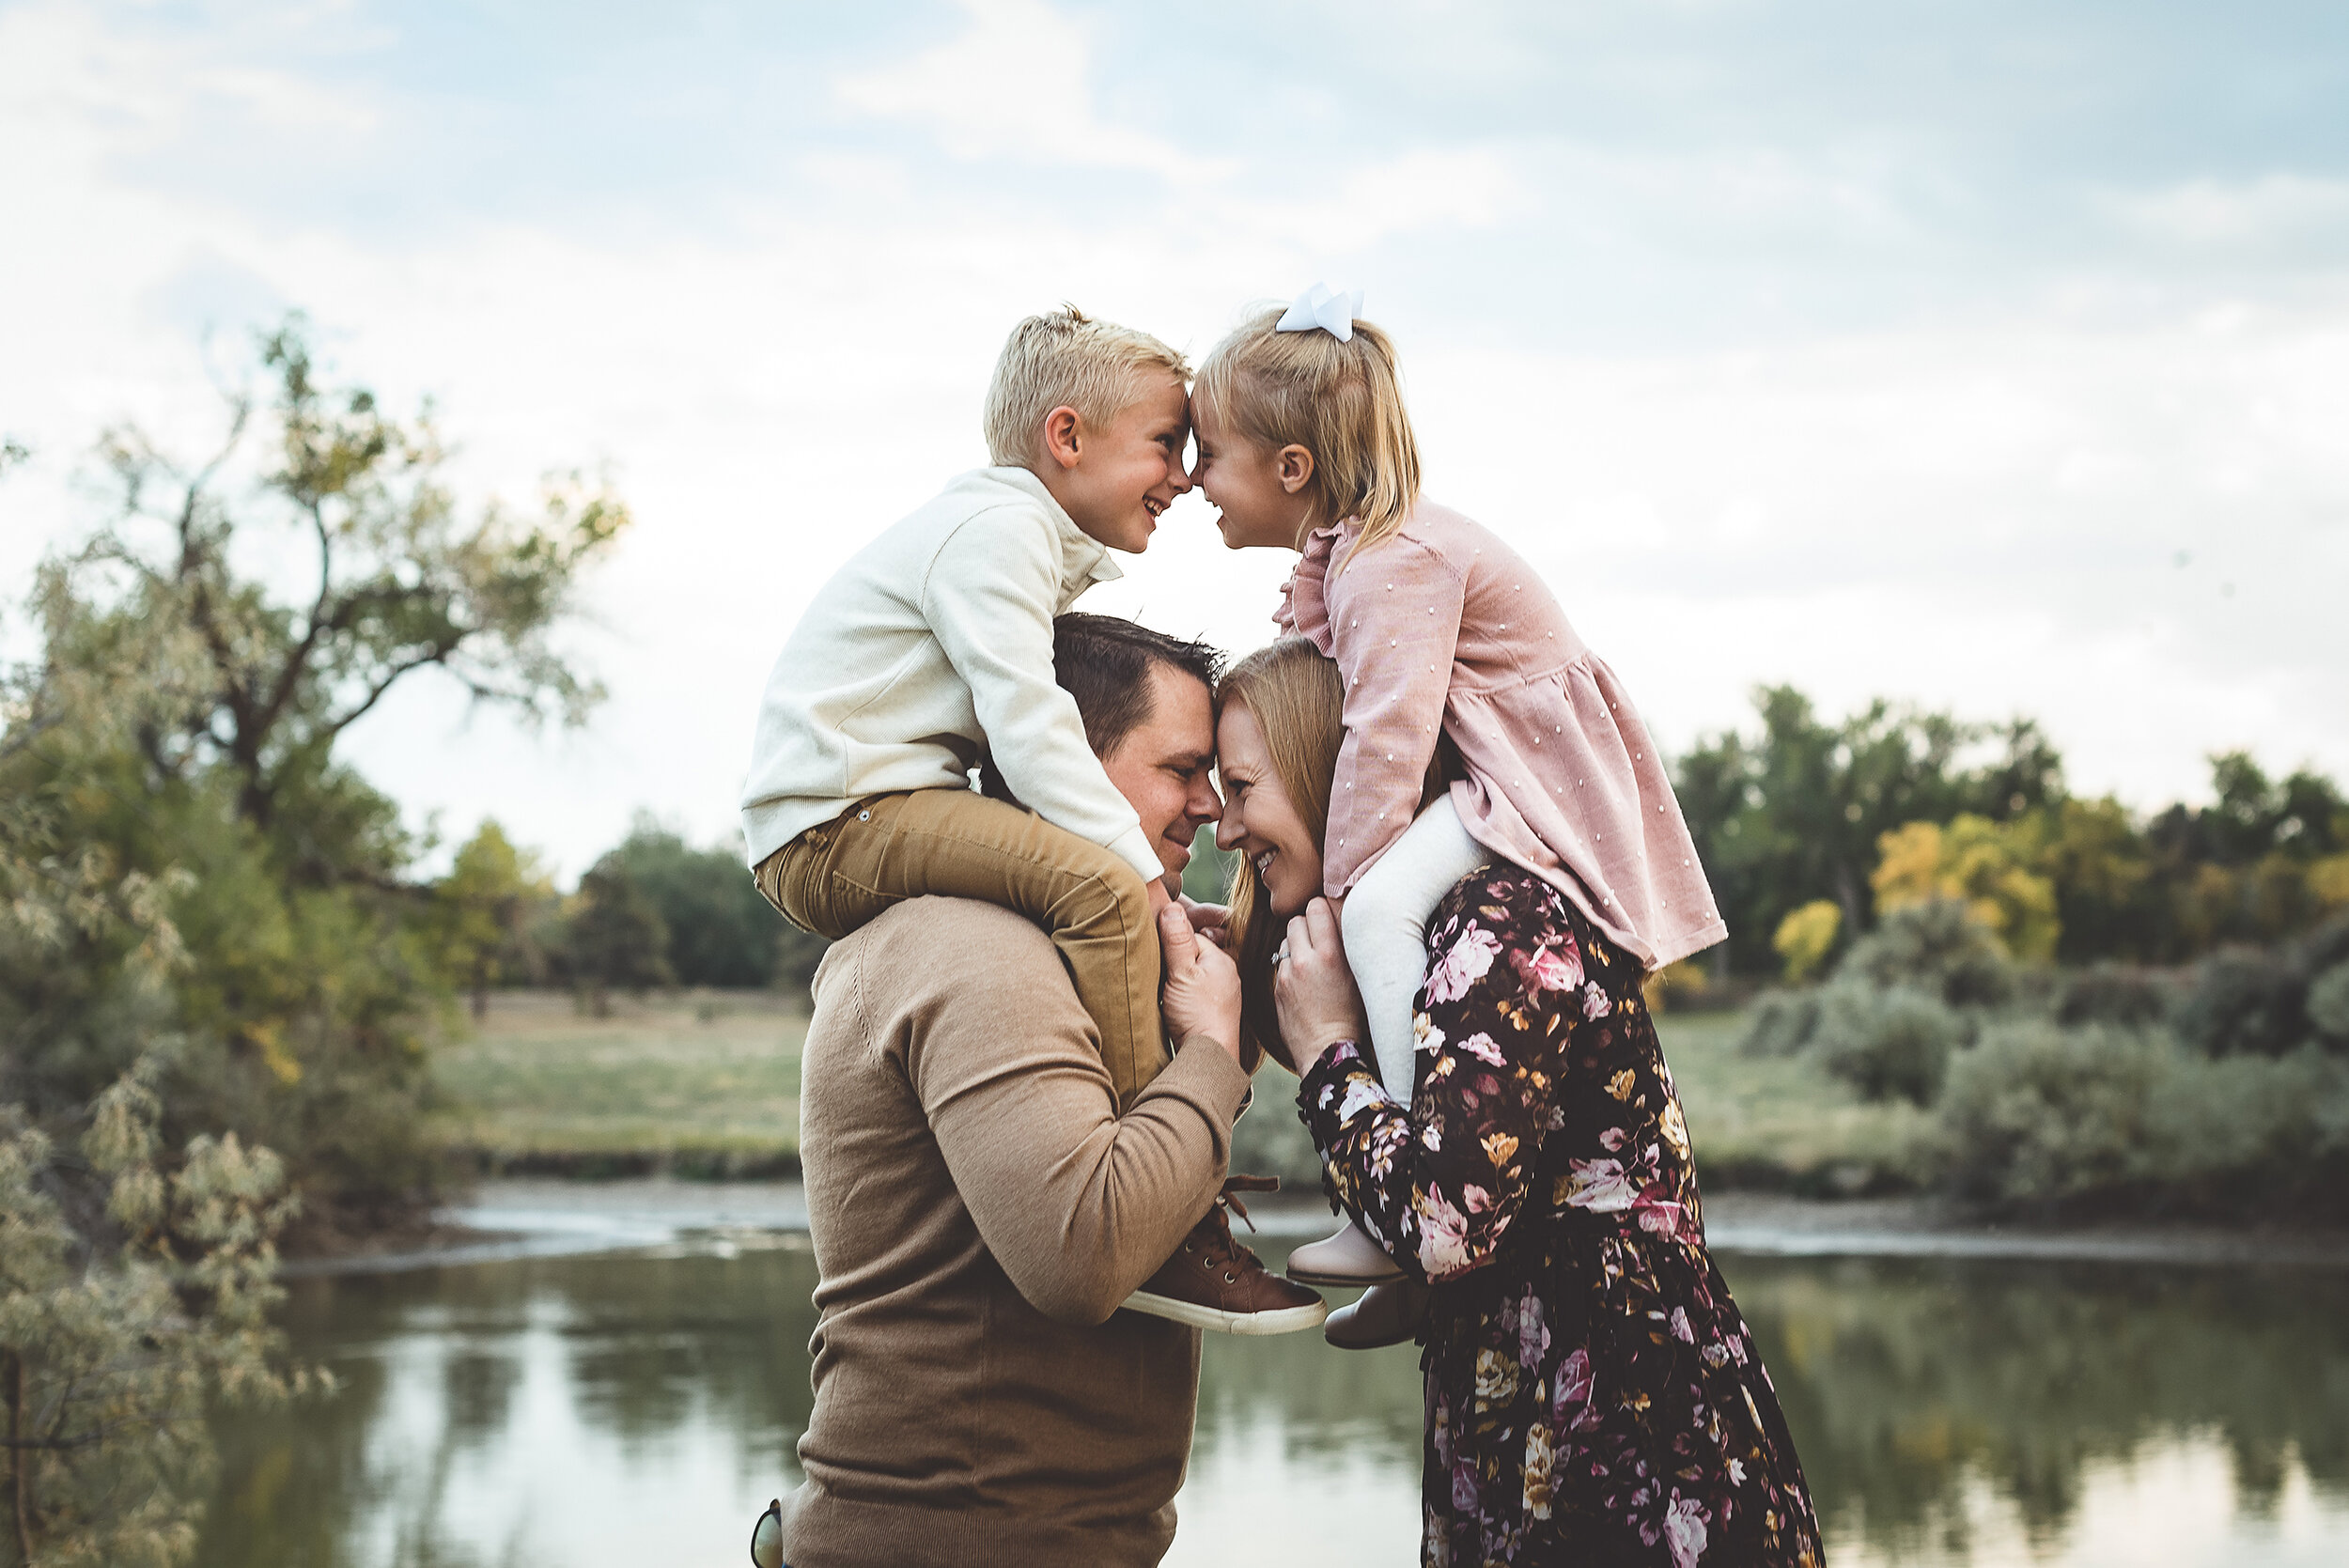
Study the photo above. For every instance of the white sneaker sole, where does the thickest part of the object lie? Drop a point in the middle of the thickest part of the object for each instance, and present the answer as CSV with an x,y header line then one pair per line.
x,y
1345,1282
1288,1320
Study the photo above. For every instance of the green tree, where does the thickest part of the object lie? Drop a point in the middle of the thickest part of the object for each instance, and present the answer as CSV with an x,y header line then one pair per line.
x,y
614,938
722,929
1793,815
485,914
178,733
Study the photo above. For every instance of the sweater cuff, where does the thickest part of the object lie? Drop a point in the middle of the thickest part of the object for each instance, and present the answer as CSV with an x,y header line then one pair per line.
x,y
1133,848
1205,1069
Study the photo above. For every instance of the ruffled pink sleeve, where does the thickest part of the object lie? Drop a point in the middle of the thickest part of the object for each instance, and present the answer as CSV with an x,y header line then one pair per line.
x,y
1395,625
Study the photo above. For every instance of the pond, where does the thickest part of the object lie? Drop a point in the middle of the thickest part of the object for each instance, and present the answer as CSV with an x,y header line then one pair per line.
x,y
639,1407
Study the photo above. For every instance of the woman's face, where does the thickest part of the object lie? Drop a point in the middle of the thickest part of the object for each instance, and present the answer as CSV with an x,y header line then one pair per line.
x,y
1259,821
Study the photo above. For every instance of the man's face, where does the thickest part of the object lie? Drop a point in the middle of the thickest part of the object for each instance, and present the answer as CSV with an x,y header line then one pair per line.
x,y
1162,767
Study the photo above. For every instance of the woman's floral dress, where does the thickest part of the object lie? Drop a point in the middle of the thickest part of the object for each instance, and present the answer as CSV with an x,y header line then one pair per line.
x,y
1593,1393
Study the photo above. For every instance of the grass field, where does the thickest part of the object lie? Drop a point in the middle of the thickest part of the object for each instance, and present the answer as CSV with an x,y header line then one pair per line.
x,y
703,1083
706,1084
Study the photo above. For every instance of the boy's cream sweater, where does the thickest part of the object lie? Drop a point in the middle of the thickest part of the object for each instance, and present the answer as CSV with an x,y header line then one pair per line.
x,y
932,646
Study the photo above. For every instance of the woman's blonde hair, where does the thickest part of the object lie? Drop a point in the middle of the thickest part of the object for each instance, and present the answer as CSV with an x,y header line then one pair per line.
x,y
1297,697
1343,402
1295,694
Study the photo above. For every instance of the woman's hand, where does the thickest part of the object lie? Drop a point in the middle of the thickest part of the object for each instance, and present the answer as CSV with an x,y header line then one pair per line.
x,y
1313,990
1202,994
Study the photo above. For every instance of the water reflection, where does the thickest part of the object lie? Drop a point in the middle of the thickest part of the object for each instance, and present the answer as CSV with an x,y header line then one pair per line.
x,y
642,1407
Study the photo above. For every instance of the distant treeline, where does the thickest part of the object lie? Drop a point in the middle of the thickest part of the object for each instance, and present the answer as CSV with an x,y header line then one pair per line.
x,y
1811,829
652,911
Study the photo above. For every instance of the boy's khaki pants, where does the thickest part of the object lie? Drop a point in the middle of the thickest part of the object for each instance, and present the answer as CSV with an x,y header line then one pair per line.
x,y
956,843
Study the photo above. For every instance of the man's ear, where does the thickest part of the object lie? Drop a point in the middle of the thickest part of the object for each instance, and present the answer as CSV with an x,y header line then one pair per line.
x,y
1063,436
1294,467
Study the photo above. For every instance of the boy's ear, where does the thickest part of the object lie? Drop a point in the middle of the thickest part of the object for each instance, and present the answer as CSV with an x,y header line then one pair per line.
x,y
1063,436
1294,467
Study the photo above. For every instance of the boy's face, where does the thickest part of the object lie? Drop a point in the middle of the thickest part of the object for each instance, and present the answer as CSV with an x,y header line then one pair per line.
x,y
1114,480
1244,484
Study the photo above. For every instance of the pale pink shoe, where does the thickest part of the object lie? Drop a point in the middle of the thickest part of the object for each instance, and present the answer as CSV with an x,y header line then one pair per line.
x,y
1348,1258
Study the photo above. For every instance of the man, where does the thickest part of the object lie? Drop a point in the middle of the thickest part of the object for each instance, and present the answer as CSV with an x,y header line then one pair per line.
x,y
980,1209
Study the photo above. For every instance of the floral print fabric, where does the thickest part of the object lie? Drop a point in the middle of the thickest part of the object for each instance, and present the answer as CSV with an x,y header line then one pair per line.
x,y
1593,1393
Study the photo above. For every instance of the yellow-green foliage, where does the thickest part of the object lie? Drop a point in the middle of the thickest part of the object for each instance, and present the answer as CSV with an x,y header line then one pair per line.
x,y
107,1363
1806,937
1983,864
1675,985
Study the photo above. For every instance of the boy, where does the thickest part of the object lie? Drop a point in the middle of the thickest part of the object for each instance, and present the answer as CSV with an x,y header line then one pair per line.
x,y
933,646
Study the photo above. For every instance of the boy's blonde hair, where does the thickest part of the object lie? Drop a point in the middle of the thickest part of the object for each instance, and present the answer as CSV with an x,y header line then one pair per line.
x,y
1343,402
1065,356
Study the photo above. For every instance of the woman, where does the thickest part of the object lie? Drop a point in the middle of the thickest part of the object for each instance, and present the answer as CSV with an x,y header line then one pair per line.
x,y
1593,1393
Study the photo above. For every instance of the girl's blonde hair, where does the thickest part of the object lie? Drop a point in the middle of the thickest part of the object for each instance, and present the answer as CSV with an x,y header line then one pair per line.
x,y
1343,402
1295,694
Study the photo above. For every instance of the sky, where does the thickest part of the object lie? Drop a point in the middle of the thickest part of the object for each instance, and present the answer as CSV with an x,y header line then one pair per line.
x,y
1988,356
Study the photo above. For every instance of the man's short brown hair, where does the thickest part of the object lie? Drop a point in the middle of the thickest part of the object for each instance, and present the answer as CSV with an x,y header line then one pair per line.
x,y
1104,662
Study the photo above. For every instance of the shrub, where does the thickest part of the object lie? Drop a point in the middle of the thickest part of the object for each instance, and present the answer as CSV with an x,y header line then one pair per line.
x,y
2245,1004
2328,1005
2248,1131
2114,994
2036,1113
1936,947
1887,1044
1781,1024
2041,1114
1806,937
2324,947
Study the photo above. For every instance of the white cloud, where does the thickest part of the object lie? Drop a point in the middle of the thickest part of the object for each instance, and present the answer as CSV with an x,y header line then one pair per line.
x,y
2272,210
1017,84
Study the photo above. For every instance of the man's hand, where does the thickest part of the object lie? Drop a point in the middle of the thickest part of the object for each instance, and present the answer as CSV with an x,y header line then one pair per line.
x,y
1211,920
1202,985
1313,990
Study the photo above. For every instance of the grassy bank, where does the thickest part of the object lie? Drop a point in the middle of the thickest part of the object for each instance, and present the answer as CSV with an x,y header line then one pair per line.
x,y
697,1083
705,1085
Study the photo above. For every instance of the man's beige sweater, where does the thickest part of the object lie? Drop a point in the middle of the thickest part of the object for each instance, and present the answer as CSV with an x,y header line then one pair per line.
x,y
979,1210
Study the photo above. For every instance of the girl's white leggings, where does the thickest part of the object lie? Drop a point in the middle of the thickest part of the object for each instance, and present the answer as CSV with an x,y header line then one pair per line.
x,y
1385,927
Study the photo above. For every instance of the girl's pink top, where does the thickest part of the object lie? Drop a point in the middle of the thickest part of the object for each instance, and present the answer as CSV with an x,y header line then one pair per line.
x,y
1442,626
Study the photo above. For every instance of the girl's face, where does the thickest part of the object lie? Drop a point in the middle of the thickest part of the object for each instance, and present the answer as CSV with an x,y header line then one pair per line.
x,y
1259,821
1262,498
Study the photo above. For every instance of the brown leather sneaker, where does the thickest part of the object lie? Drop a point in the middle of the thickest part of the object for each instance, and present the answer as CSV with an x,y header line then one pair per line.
x,y
1212,1281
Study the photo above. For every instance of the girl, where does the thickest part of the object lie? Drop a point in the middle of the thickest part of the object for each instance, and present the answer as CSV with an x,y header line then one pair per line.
x,y
1455,663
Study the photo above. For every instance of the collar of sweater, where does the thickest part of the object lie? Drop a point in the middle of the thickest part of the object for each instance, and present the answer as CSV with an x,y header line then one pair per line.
x,y
1083,557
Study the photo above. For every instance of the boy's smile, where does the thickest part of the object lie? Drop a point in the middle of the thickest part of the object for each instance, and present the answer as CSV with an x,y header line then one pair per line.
x,y
1115,480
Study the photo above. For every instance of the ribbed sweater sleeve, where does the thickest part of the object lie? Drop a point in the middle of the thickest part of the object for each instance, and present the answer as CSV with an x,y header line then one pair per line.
x,y
1078,1204
989,599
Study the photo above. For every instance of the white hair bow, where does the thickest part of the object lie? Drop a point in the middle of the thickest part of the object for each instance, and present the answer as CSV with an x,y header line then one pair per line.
x,y
1325,307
